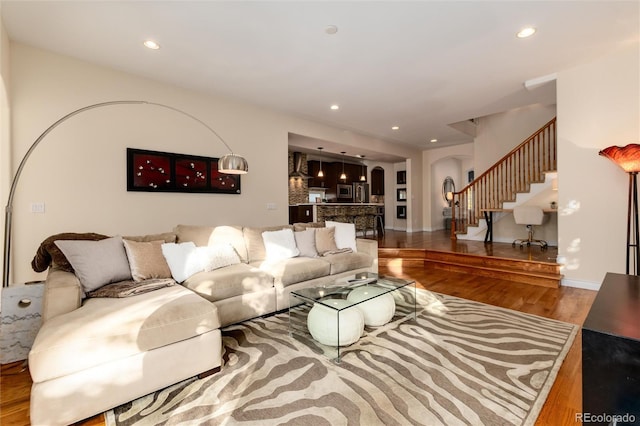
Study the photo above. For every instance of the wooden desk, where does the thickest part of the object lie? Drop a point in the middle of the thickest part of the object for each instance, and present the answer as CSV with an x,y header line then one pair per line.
x,y
611,351
488,217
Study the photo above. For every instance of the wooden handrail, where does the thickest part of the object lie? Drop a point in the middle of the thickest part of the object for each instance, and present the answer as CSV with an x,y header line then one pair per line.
x,y
512,174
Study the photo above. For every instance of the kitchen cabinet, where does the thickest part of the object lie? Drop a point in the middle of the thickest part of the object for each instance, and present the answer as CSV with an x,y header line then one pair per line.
x,y
300,213
377,181
313,168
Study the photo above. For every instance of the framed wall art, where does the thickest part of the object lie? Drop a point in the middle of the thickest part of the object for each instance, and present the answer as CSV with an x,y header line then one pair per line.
x,y
155,171
401,177
401,212
401,194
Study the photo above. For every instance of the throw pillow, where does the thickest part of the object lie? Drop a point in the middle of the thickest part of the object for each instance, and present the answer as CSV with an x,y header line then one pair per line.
x,y
48,253
97,263
345,234
182,259
146,260
279,245
219,255
131,288
306,242
326,240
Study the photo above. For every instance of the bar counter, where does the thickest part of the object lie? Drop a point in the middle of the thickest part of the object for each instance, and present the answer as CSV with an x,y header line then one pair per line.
x,y
363,215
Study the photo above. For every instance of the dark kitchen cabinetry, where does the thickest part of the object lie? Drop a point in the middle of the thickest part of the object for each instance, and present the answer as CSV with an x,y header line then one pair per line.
x,y
302,213
377,181
313,168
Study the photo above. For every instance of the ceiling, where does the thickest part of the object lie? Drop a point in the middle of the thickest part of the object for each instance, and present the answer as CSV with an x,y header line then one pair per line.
x,y
420,65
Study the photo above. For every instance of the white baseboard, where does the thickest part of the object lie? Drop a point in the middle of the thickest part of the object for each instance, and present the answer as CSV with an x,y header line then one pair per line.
x,y
587,285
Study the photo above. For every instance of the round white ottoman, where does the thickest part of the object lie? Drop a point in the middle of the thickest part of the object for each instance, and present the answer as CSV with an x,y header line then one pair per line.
x,y
378,311
323,323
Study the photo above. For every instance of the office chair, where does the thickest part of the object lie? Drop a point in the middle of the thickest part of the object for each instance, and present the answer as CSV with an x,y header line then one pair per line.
x,y
529,216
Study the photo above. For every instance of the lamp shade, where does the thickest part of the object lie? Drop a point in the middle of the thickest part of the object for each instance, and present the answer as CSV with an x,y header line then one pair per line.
x,y
233,164
627,157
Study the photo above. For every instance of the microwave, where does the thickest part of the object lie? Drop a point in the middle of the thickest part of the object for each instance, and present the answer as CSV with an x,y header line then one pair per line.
x,y
344,191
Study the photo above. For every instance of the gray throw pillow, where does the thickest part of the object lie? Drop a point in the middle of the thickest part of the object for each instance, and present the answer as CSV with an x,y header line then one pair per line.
x,y
306,242
97,263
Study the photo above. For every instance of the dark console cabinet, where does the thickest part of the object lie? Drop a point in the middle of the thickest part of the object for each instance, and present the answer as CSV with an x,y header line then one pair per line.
x,y
611,353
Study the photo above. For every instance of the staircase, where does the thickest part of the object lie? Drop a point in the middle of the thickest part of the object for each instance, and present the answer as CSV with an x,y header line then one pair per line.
x,y
514,173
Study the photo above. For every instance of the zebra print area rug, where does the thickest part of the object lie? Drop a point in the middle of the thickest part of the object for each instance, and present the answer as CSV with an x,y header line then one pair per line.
x,y
458,363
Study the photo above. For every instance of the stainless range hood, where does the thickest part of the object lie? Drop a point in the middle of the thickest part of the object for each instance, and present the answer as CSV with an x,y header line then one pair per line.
x,y
297,167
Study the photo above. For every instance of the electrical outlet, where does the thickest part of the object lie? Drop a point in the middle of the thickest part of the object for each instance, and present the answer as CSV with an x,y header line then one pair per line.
x,y
271,206
37,207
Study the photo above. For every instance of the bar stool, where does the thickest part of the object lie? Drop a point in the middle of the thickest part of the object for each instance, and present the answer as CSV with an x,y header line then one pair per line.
x,y
379,220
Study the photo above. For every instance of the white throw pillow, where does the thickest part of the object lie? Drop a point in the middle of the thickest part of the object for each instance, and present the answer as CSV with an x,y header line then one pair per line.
x,y
345,234
183,260
279,245
219,255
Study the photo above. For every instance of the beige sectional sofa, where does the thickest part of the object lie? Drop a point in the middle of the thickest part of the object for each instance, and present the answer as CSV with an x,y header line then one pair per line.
x,y
92,354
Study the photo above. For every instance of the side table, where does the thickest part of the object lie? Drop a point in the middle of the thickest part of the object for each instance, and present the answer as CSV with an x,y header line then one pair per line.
x,y
611,353
21,313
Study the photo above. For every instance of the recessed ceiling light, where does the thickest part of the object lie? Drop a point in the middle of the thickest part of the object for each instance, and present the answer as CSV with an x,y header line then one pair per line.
x,y
526,32
433,140
151,44
395,128
331,29
335,107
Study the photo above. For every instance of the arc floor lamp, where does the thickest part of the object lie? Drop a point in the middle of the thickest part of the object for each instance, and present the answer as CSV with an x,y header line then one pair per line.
x,y
229,163
628,158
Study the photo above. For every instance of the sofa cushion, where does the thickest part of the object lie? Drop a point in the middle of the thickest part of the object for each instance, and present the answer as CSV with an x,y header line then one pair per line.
x,y
295,270
219,255
325,240
232,235
255,245
306,242
301,226
104,330
345,234
279,245
49,254
167,237
182,259
97,263
146,260
350,261
199,235
230,281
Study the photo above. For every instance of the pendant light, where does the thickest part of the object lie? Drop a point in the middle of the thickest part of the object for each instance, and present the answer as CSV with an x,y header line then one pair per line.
x,y
363,178
320,172
343,176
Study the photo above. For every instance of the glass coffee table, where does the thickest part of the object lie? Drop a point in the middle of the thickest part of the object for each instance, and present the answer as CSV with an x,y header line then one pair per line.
x,y
336,315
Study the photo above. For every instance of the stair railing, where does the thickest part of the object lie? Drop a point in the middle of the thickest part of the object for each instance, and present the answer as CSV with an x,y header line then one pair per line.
x,y
525,164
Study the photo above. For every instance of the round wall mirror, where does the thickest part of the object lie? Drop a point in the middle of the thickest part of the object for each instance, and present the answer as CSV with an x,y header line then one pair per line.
x,y
448,188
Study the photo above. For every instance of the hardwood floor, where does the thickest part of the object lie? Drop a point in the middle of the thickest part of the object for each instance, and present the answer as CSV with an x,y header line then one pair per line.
x,y
564,304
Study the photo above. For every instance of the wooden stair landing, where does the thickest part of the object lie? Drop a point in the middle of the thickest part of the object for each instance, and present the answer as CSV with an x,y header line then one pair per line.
x,y
533,272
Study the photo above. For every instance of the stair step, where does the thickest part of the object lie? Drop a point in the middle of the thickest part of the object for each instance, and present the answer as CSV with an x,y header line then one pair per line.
x,y
522,271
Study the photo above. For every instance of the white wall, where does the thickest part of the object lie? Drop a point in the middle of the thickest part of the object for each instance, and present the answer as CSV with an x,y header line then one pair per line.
x,y
442,168
5,125
498,134
79,169
598,106
431,191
